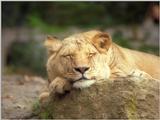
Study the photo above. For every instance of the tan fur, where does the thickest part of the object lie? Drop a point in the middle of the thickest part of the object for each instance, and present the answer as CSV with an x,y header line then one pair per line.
x,y
96,51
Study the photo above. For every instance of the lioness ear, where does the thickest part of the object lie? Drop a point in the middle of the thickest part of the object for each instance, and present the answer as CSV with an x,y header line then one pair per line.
x,y
102,42
52,44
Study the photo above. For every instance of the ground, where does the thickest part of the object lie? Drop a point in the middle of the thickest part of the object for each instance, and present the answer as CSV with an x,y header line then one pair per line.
x,y
19,94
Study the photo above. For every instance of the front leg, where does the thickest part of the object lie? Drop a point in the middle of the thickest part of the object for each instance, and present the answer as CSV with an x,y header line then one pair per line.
x,y
139,73
59,85
132,73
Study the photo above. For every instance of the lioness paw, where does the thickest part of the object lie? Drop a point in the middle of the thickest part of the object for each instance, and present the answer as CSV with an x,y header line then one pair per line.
x,y
59,85
139,73
43,97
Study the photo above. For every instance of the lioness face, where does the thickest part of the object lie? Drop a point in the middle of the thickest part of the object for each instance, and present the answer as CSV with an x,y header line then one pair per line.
x,y
81,58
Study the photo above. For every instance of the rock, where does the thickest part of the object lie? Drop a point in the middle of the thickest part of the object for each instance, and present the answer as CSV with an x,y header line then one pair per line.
x,y
122,98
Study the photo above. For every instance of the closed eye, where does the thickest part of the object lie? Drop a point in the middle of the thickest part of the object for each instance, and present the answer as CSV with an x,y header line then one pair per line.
x,y
65,55
68,55
92,54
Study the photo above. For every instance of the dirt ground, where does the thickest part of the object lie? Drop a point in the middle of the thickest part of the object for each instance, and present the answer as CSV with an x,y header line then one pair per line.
x,y
19,94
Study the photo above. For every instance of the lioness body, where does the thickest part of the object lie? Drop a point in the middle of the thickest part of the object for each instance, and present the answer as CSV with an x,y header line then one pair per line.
x,y
86,58
128,60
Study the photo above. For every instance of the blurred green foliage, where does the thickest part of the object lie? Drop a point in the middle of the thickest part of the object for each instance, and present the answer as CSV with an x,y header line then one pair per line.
x,y
149,49
81,14
54,17
36,22
41,113
128,43
28,55
121,40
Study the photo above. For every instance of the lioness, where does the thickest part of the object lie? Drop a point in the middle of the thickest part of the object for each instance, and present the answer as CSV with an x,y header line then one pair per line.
x,y
90,57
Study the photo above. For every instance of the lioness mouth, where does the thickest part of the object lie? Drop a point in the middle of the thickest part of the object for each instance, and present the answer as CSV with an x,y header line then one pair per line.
x,y
82,78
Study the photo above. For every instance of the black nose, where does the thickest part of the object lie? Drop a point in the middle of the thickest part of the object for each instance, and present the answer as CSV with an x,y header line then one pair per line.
x,y
81,69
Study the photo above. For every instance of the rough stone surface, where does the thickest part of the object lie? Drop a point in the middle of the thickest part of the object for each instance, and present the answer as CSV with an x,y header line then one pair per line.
x,y
123,98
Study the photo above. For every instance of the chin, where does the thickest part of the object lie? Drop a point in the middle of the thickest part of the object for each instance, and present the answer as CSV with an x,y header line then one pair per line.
x,y
83,83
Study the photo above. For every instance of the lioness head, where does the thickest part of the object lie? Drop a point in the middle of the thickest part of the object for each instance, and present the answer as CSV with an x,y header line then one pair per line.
x,y
81,58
